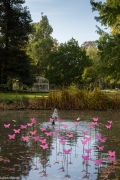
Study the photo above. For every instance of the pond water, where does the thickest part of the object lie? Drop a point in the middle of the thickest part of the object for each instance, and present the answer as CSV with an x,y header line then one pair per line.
x,y
71,149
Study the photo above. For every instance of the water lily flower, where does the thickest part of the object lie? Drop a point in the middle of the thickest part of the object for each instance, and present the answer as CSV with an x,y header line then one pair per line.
x,y
100,147
44,146
23,126
86,158
88,150
84,132
43,141
108,126
29,124
6,125
98,161
11,136
33,132
110,121
112,159
70,135
67,151
76,123
36,138
111,153
16,130
33,120
43,129
95,119
48,133
25,138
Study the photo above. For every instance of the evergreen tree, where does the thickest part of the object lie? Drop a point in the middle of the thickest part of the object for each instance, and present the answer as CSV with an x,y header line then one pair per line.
x,y
14,30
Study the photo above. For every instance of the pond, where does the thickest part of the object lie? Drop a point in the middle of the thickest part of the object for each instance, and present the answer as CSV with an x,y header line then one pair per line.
x,y
81,145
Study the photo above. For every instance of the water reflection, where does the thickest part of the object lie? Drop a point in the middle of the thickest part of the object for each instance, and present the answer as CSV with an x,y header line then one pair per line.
x,y
32,148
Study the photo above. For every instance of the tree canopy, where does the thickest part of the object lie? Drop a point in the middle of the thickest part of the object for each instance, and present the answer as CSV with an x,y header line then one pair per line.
x,y
108,43
14,31
41,43
66,65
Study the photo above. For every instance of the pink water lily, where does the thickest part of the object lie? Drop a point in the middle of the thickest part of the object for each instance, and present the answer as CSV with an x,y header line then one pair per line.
x,y
86,157
67,151
62,138
52,119
16,130
87,139
25,138
23,126
33,120
48,133
103,139
95,123
100,147
84,132
112,159
84,141
6,125
60,121
88,150
43,141
98,161
110,121
76,123
108,126
95,119
112,153
29,124
98,136
63,142
65,126
90,126
43,129
44,146
56,131
70,135
33,132
35,138
11,136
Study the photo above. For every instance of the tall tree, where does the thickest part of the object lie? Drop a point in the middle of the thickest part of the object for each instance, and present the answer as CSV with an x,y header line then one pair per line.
x,y
14,30
109,13
41,43
66,65
108,44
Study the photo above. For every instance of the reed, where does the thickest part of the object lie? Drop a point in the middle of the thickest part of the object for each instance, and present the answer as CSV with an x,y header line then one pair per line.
x,y
65,99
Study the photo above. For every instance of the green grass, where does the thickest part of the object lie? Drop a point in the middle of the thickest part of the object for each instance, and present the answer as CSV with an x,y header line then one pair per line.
x,y
21,95
18,95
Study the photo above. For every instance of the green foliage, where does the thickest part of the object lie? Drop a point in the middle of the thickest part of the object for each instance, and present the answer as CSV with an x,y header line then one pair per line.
x,y
72,88
40,43
109,47
14,30
108,11
89,75
108,44
65,99
66,65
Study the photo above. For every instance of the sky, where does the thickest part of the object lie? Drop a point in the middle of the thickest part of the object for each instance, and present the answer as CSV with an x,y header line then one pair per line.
x,y
68,18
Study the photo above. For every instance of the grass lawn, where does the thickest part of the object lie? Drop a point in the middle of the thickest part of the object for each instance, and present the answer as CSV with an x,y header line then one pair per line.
x,y
14,95
21,95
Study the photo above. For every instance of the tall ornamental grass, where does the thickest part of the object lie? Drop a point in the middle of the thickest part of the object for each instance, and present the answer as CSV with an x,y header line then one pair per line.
x,y
65,99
